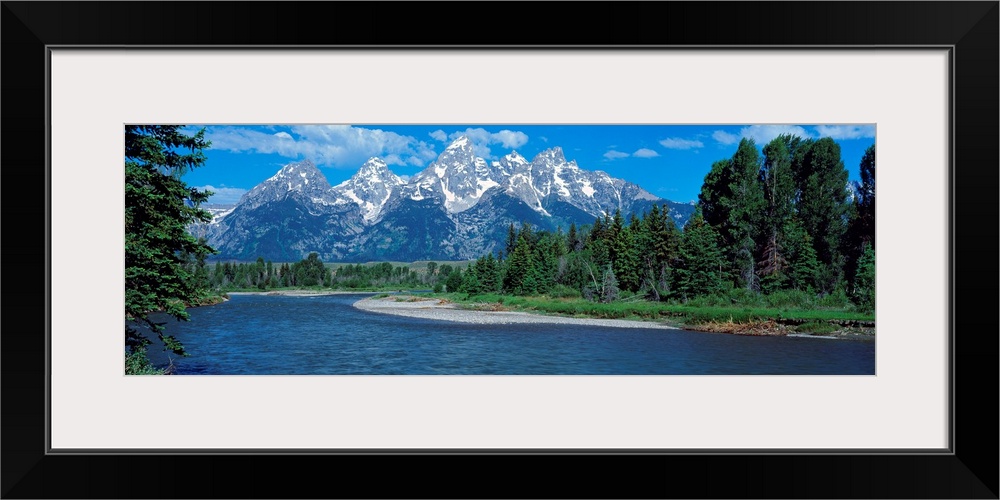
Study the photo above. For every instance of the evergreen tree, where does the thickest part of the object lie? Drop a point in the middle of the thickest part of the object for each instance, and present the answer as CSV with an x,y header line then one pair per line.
x,y
490,276
520,266
803,266
864,281
573,240
159,206
470,280
454,281
626,262
511,239
699,265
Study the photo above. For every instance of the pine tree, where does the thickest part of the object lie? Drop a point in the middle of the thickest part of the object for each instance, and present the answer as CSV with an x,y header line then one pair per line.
x,y
490,276
159,207
520,266
573,240
511,239
864,281
699,265
803,266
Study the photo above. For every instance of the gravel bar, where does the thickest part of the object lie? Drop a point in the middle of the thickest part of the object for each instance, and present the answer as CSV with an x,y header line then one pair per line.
x,y
400,305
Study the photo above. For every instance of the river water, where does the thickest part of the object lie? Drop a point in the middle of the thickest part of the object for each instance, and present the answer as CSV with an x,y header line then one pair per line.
x,y
325,335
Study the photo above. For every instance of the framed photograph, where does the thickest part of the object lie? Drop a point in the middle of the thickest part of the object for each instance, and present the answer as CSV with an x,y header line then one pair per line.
x,y
919,80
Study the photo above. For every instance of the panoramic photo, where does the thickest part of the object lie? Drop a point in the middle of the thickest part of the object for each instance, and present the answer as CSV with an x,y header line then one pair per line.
x,y
476,249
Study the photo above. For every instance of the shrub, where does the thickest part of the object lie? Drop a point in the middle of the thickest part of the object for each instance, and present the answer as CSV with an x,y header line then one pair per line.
x,y
564,292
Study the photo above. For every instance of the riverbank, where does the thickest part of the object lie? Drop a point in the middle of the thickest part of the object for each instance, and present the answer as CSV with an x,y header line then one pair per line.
x,y
737,321
439,309
301,293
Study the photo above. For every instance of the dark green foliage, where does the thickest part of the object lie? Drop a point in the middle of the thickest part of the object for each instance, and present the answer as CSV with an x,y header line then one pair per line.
x,y
519,276
823,207
310,271
861,231
699,265
803,266
774,224
159,206
454,281
779,194
864,281
732,201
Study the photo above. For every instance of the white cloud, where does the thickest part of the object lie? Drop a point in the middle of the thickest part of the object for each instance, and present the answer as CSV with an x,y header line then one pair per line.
x,y
614,155
393,160
338,146
645,153
223,195
724,137
846,131
439,135
678,143
763,134
482,139
510,139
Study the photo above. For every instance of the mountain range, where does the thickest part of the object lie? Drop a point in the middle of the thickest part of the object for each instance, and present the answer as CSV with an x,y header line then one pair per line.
x,y
457,208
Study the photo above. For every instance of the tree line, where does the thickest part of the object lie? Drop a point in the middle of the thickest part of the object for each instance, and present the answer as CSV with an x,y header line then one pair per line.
x,y
309,272
777,220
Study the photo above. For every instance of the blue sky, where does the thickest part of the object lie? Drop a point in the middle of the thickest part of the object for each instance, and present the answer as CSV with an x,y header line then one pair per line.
x,y
669,161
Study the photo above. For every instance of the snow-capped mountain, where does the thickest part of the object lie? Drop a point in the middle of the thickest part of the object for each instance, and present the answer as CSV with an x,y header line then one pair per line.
x,y
370,188
458,177
458,207
300,179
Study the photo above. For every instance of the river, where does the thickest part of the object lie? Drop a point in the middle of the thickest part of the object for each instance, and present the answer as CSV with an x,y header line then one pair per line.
x,y
325,335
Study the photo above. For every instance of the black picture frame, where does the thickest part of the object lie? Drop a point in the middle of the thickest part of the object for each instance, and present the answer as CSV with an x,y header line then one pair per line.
x,y
969,470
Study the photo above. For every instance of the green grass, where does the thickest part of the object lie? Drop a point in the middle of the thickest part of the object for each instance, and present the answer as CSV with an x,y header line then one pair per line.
x,y
816,327
684,314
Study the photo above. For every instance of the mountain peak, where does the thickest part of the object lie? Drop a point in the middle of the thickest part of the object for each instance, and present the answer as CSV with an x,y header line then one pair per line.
x,y
296,170
461,142
374,164
554,154
514,156
299,166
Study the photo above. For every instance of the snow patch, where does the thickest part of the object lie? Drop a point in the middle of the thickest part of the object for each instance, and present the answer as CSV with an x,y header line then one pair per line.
x,y
587,188
483,185
448,195
563,189
461,141
350,194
